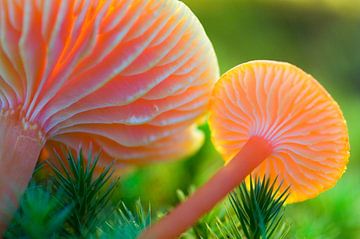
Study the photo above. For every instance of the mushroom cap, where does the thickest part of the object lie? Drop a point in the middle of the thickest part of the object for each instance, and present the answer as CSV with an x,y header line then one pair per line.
x,y
127,77
294,113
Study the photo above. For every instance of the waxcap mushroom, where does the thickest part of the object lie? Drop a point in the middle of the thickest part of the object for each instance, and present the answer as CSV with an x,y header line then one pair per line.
x,y
274,120
126,77
288,108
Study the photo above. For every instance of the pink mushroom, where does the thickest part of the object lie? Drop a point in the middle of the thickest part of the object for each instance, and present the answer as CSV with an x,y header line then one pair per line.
x,y
129,77
271,119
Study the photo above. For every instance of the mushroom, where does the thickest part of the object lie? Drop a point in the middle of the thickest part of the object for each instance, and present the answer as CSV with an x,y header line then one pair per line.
x,y
268,119
130,77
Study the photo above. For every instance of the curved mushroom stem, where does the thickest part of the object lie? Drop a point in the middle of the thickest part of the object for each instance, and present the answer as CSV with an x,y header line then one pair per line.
x,y
224,181
20,147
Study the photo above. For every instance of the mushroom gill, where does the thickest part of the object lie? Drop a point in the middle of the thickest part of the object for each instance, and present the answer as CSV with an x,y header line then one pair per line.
x,y
270,119
128,77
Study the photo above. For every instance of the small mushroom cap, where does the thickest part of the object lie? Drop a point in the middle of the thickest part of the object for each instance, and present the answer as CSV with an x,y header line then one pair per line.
x,y
294,113
127,77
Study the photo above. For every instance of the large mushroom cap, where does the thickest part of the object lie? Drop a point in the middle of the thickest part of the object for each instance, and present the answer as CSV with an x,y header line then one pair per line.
x,y
294,113
127,77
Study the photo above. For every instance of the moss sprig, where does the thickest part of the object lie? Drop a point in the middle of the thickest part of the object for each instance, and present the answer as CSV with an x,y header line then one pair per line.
x,y
255,211
90,193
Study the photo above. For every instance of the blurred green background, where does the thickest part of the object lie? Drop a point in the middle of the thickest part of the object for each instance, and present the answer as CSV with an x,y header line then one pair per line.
x,y
323,38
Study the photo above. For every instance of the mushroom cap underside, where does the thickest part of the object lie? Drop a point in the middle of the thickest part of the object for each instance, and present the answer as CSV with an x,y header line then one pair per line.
x,y
294,113
126,76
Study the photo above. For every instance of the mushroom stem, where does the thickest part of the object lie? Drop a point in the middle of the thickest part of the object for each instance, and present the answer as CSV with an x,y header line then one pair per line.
x,y
20,146
224,181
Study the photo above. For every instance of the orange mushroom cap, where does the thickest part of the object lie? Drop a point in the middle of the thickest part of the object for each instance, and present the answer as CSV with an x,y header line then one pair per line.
x,y
124,77
269,119
288,108
127,77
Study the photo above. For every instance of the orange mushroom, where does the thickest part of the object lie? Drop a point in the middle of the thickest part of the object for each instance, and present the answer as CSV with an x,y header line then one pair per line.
x,y
129,77
270,119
